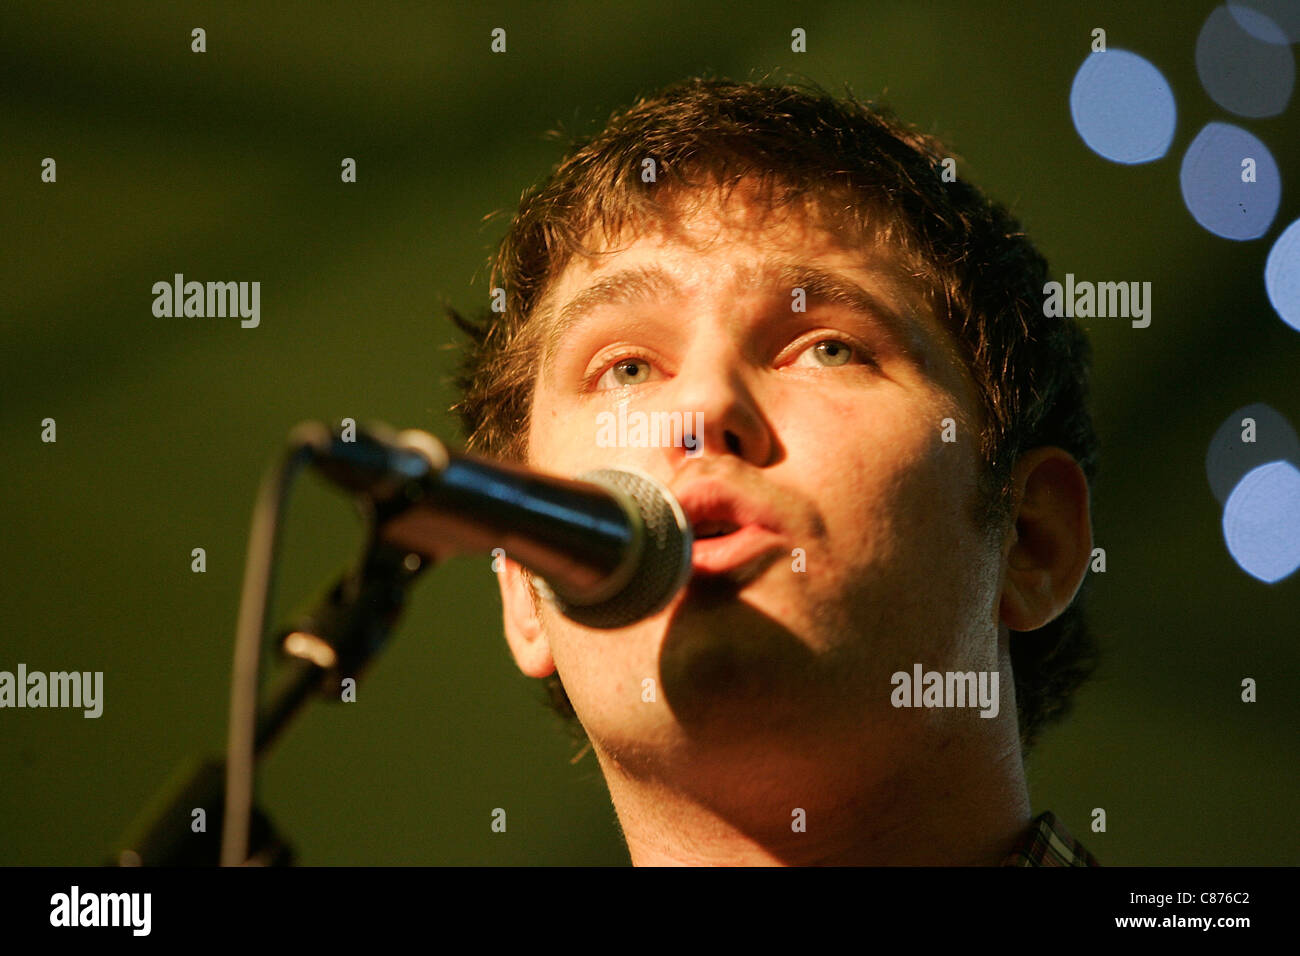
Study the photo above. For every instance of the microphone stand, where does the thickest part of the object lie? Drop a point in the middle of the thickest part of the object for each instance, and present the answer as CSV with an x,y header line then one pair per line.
x,y
333,642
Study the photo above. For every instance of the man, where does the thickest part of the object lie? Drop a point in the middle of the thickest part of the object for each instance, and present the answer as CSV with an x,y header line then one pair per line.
x,y
887,470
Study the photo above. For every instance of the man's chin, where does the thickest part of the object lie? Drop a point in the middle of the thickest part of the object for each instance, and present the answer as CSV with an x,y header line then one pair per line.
x,y
722,658
713,590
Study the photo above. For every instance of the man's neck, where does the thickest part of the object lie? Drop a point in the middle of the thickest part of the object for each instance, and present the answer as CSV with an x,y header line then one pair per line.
x,y
948,800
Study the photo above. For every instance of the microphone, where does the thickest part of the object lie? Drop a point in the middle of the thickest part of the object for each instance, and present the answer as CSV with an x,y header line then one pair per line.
x,y
610,547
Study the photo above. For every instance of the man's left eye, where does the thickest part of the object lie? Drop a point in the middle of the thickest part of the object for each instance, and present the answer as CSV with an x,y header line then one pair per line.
x,y
827,353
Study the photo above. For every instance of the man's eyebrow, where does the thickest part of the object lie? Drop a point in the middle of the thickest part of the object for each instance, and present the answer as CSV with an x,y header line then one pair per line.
x,y
832,288
642,284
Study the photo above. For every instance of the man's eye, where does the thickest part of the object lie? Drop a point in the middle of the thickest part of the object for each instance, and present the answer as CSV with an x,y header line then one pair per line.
x,y
826,353
628,371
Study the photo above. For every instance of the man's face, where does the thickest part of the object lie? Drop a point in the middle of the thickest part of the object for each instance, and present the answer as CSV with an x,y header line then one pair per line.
x,y
858,551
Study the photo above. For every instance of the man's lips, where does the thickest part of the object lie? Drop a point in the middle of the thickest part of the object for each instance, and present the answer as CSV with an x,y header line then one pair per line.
x,y
729,552
732,530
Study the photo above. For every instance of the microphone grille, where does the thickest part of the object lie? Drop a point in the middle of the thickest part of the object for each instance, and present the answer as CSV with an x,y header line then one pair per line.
x,y
665,559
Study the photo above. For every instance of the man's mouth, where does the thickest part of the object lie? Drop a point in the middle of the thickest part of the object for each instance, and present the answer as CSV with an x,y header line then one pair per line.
x,y
734,534
715,529
734,551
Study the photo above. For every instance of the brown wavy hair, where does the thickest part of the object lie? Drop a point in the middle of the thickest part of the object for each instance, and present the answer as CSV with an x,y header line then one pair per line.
x,y
859,168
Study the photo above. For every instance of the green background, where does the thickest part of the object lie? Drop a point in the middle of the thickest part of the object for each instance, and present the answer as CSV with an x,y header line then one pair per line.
x,y
225,165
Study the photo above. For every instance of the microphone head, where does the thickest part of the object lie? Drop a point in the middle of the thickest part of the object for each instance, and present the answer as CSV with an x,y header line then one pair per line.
x,y
663,565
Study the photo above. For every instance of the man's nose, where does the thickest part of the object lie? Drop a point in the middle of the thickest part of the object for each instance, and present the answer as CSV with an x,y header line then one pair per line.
x,y
721,413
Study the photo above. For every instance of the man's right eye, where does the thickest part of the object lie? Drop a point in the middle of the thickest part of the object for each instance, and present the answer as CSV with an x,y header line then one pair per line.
x,y
626,371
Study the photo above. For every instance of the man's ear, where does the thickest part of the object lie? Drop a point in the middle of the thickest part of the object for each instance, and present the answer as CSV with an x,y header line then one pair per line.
x,y
1049,543
523,623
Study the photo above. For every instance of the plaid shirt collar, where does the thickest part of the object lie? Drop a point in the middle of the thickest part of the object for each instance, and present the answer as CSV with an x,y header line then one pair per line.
x,y
1048,843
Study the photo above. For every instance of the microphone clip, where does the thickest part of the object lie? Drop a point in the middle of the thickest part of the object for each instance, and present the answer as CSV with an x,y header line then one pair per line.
x,y
357,615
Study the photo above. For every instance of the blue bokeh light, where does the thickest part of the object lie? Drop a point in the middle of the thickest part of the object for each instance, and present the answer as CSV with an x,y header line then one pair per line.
x,y
1123,108
1273,21
1242,72
1214,190
1261,522
1235,450
1282,275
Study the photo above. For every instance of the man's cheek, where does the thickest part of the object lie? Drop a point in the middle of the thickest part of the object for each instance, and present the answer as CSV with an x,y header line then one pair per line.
x,y
594,651
898,512
934,451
